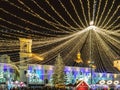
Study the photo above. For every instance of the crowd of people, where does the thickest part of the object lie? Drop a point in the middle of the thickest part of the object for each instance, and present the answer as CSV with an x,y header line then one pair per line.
x,y
4,87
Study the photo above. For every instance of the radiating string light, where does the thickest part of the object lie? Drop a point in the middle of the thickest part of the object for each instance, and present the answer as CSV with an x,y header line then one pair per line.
x,y
88,4
109,32
21,33
50,15
115,27
69,14
13,31
77,45
99,64
113,23
24,27
61,47
10,34
35,13
111,54
98,11
105,25
94,10
59,14
101,16
104,48
77,13
108,13
43,43
34,24
83,12
112,40
77,34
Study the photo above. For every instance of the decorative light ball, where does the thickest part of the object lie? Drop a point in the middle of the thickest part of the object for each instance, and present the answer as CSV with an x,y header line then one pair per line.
x,y
116,82
91,23
102,82
16,82
21,82
28,75
109,82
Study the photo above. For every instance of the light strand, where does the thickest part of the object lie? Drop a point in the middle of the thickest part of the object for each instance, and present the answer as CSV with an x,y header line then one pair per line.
x,y
108,13
117,26
77,13
69,14
36,13
59,15
111,17
39,26
96,19
104,48
88,4
101,16
49,15
94,10
113,23
83,12
23,27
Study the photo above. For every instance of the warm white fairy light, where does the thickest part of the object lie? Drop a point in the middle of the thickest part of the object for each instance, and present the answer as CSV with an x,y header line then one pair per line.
x,y
58,14
77,13
83,10
102,13
98,11
69,14
76,37
91,23
108,13
49,15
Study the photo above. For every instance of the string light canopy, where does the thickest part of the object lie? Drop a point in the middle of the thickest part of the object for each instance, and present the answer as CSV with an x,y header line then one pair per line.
x,y
62,26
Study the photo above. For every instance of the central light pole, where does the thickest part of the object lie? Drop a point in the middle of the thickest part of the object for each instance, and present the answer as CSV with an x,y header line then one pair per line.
x,y
91,62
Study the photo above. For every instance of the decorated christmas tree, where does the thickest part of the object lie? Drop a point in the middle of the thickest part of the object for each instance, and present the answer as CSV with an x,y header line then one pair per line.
x,y
59,75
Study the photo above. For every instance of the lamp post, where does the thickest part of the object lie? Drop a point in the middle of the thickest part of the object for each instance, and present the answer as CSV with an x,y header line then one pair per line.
x,y
91,65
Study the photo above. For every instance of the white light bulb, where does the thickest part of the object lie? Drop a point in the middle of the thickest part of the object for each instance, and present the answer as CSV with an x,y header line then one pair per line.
x,y
91,23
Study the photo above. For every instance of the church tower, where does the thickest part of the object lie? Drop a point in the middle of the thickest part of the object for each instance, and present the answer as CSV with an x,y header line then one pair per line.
x,y
25,54
25,50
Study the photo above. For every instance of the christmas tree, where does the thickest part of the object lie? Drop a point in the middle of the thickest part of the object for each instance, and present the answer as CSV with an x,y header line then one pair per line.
x,y
59,75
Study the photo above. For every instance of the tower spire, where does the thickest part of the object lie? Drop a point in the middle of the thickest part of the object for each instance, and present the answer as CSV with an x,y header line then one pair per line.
x,y
78,60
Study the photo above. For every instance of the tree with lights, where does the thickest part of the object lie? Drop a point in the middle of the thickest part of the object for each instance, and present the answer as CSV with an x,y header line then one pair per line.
x,y
59,75
69,78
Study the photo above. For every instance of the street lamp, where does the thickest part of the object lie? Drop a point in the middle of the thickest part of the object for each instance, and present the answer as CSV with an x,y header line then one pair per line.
x,y
91,65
